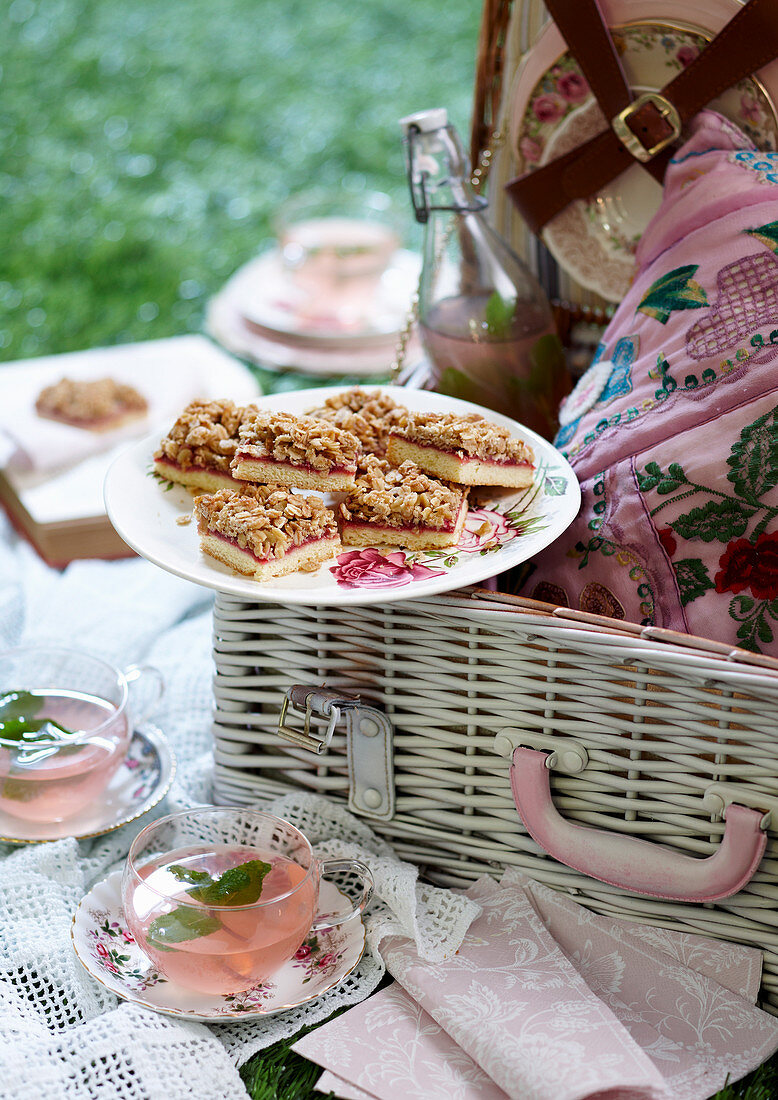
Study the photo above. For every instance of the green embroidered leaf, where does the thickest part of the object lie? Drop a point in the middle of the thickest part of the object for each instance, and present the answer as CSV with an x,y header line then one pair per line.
x,y
184,923
240,885
767,234
754,458
19,704
672,480
675,290
693,579
650,478
718,519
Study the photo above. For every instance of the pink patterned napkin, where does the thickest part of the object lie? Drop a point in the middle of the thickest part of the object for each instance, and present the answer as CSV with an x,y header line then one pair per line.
x,y
546,1001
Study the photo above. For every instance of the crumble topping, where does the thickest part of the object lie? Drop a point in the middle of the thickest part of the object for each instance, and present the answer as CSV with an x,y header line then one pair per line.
x,y
96,400
205,434
401,497
267,520
368,416
299,440
473,435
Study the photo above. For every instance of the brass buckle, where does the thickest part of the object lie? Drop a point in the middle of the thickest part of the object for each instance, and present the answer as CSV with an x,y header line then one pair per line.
x,y
632,142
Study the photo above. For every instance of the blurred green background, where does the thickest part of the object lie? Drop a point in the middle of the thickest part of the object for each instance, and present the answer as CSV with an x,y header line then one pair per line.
x,y
146,145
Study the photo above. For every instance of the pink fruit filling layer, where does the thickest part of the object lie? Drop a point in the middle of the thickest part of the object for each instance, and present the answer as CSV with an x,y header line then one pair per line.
x,y
459,455
265,561
242,456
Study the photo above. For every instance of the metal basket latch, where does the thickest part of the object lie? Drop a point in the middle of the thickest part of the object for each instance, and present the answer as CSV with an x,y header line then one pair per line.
x,y
369,743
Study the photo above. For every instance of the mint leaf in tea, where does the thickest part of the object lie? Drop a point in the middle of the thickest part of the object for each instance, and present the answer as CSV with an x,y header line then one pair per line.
x,y
184,923
58,751
240,885
220,918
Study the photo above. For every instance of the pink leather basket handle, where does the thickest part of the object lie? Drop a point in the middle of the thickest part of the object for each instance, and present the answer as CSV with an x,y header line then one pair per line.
x,y
636,865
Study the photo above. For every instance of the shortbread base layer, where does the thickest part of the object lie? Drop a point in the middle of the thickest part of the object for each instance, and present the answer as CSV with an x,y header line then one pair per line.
x,y
354,533
283,473
196,478
229,553
467,471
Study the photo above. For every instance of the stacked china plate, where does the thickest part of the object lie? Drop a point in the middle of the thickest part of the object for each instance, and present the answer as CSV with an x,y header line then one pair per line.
x,y
331,297
548,109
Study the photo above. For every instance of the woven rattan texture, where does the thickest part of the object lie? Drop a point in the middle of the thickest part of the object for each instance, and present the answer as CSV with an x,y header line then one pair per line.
x,y
660,724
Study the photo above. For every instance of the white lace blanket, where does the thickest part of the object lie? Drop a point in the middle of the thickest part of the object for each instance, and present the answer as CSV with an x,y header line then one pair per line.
x,y
65,1036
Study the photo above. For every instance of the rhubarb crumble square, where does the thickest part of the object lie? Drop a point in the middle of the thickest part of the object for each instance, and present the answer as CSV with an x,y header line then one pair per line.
x,y
266,531
369,415
302,451
402,507
469,450
99,405
198,449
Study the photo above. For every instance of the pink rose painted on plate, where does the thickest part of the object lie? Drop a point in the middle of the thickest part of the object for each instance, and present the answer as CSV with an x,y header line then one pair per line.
x,y
573,87
531,149
548,108
371,569
484,528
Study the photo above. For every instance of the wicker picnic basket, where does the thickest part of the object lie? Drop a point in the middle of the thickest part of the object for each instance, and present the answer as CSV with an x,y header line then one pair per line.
x,y
623,746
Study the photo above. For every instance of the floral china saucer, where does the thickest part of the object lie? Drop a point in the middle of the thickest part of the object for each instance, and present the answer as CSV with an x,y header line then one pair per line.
x,y
105,947
141,782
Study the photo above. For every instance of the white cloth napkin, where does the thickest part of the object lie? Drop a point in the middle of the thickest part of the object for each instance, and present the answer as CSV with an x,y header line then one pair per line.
x,y
547,1001
168,373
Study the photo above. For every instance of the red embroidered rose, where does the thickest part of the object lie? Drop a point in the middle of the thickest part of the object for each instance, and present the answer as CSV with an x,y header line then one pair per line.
x,y
371,569
531,149
735,566
764,570
303,952
667,539
751,565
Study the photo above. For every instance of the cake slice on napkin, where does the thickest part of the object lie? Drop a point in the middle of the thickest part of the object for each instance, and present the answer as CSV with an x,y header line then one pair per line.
x,y
469,450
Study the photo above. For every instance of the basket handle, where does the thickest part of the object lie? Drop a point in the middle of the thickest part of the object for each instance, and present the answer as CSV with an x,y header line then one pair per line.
x,y
639,866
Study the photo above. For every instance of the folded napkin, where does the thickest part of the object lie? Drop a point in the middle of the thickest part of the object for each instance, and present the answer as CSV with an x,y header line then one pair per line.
x,y
168,373
547,1001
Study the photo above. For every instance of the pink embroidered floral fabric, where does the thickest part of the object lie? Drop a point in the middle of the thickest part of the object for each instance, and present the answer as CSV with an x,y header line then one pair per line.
x,y
676,447
547,1001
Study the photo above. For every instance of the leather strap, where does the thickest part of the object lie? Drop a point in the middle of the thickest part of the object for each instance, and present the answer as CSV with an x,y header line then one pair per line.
x,y
583,27
748,42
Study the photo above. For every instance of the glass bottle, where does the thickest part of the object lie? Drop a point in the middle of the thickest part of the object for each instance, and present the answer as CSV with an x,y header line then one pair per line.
x,y
485,324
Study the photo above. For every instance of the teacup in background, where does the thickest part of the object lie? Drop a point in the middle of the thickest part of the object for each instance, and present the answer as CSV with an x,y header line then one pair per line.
x,y
66,718
220,898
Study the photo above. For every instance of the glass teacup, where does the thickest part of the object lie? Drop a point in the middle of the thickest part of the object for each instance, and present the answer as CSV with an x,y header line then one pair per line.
x,y
220,898
66,719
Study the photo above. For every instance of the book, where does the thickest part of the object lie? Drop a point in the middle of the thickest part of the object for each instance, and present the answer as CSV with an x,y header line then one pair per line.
x,y
61,511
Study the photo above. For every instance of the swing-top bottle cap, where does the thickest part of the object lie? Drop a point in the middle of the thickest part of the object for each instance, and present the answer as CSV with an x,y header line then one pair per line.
x,y
433,119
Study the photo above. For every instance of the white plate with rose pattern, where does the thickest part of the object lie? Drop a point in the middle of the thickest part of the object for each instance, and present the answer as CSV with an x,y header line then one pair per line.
x,y
503,528
105,947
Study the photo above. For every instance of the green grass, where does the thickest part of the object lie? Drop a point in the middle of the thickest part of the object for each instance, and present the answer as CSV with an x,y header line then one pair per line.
x,y
145,146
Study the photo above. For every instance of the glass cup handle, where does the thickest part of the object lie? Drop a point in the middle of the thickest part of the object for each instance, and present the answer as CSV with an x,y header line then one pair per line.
x,y
356,867
151,676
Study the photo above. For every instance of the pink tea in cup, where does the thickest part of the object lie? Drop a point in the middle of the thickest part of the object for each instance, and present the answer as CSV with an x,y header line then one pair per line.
x,y
219,898
193,914
58,752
